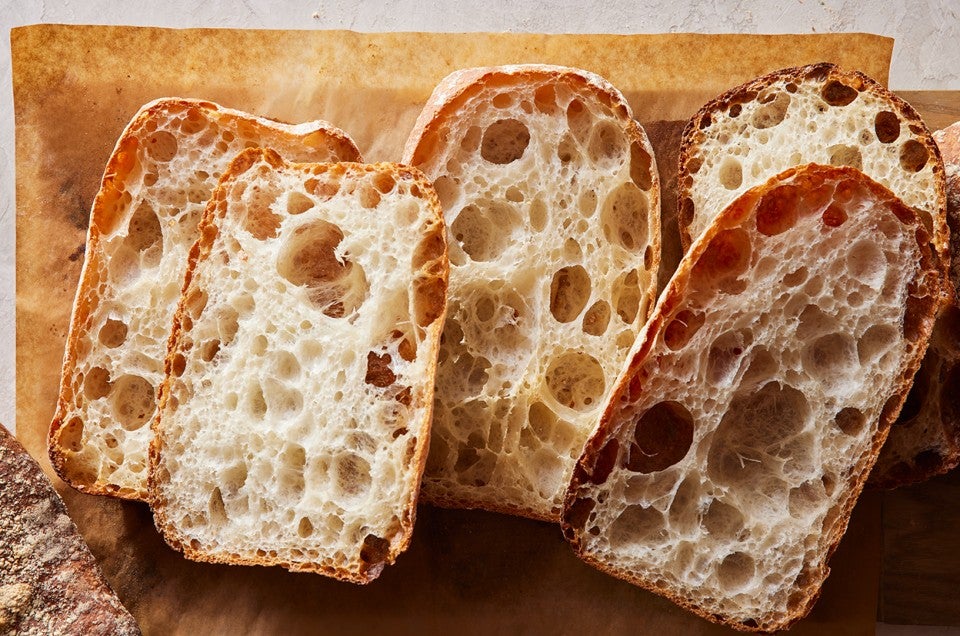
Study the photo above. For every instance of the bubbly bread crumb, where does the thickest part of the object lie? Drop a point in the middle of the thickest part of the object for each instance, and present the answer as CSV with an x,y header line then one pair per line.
x,y
294,414
143,221
551,195
735,445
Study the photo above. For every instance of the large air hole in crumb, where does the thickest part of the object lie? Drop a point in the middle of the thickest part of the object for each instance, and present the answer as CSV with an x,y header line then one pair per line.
x,y
662,437
726,355
144,230
133,401
640,167
814,322
310,258
448,190
290,478
624,216
430,298
837,93
850,420
259,219
913,156
626,296
682,328
71,435
576,380
777,210
761,368
379,373
731,173
569,293
228,323
375,550
607,143
875,341
113,333
722,521
736,571
161,146
579,119
635,525
806,498
256,403
844,155
504,141
542,420
216,511
866,263
753,428
96,383
831,359
725,258
771,113
567,149
545,99
484,229
538,214
352,475
887,126
597,318
298,203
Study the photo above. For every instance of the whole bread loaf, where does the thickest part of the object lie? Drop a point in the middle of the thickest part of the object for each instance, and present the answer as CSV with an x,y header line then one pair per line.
x,y
142,224
733,448
551,195
49,581
925,439
294,415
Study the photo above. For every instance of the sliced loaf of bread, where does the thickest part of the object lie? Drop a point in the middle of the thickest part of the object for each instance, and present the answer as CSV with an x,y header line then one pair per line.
x,y
811,114
737,441
142,224
551,196
294,415
925,439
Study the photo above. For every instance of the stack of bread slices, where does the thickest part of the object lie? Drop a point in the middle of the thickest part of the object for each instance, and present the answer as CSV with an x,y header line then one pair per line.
x,y
273,344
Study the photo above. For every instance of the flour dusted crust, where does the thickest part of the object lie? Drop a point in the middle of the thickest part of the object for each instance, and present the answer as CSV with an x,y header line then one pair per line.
x,y
142,224
811,114
551,194
735,445
49,581
294,415
925,439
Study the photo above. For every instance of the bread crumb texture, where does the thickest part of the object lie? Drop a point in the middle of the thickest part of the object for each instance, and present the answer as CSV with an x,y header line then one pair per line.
x,y
296,408
814,114
550,192
144,221
737,442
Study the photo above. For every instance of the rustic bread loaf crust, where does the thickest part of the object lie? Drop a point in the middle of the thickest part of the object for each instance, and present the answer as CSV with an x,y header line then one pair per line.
x,y
294,415
142,224
551,195
925,439
49,581
735,445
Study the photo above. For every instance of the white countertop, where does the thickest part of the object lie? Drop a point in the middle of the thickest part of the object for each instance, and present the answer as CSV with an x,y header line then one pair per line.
x,y
926,53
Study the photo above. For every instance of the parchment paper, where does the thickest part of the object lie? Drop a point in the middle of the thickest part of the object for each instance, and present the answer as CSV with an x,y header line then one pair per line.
x,y
467,572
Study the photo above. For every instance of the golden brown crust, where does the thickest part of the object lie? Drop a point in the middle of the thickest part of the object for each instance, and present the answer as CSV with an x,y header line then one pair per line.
x,y
436,268
823,72
48,577
919,316
64,438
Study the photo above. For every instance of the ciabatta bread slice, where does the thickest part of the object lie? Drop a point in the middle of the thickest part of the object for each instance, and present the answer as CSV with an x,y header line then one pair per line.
x,y
49,581
811,114
142,224
294,416
551,195
925,439
734,446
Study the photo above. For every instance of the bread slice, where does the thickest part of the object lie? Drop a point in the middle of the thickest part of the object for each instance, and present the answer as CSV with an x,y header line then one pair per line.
x,y
810,114
925,439
733,448
294,415
49,581
551,195
143,222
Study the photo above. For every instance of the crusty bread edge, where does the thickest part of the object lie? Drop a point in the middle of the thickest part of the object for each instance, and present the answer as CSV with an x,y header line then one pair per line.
x,y
731,217
208,231
825,70
447,98
115,174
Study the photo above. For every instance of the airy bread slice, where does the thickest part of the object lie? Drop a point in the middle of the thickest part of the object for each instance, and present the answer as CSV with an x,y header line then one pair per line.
x,y
551,195
49,581
294,416
733,448
810,114
925,439
142,224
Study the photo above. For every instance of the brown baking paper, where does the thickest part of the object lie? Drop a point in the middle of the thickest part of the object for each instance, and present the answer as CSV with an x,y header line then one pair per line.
x,y
75,88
